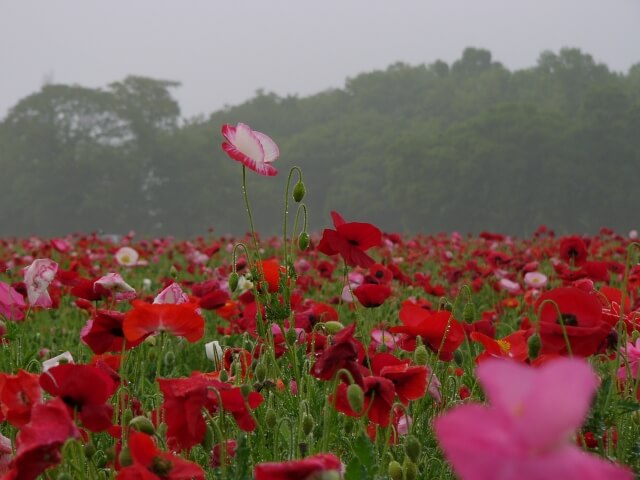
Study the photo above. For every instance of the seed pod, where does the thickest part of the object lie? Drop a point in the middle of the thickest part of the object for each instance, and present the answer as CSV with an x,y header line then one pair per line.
x,y
333,327
469,313
207,441
270,418
245,389
125,457
261,372
458,357
307,424
410,470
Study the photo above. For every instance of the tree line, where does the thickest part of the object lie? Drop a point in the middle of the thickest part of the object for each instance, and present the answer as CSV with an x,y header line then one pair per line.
x,y
467,146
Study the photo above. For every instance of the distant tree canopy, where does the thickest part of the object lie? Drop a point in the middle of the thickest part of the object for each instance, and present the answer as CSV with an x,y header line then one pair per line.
x,y
469,146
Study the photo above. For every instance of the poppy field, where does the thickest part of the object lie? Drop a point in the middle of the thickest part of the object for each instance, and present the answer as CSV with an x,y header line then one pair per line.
x,y
350,353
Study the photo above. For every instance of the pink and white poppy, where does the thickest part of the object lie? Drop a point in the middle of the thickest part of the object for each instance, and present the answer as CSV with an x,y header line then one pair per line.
x,y
114,283
254,150
512,287
12,304
57,360
172,294
127,257
535,279
37,278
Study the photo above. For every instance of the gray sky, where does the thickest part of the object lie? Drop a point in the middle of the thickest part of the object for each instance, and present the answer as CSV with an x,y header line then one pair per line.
x,y
223,51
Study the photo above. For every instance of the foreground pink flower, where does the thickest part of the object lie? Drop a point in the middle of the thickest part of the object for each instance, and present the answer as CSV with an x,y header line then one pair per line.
x,y
526,430
254,150
12,304
37,278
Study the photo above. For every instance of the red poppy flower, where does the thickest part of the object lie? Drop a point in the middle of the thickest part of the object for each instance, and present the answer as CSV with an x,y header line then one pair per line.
x,y
379,394
512,346
346,352
214,300
18,394
378,273
438,330
151,463
372,295
39,442
305,469
181,320
410,381
84,389
573,250
270,270
351,240
103,332
581,313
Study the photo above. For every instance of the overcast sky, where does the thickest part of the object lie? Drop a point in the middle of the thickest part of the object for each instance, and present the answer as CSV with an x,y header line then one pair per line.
x,y
223,51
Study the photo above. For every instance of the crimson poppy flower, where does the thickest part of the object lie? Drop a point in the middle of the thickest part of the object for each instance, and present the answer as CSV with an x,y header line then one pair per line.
x,y
214,300
573,250
410,381
438,330
40,441
103,332
351,240
84,389
378,273
182,320
151,463
379,394
584,323
18,394
512,346
270,270
305,469
254,150
372,295
346,352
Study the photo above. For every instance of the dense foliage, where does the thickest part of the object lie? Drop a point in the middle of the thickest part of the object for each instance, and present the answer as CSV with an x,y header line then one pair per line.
x,y
466,146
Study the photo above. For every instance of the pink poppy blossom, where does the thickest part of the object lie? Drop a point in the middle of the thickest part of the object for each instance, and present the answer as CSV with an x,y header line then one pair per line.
x,y
510,286
526,430
115,284
12,304
254,150
172,294
630,360
127,257
37,278
535,279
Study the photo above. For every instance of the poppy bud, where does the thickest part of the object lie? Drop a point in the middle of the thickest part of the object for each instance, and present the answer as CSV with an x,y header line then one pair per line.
x,y
89,450
110,453
410,470
207,441
469,313
245,389
270,418
333,327
534,344
234,278
261,372
127,415
635,335
412,448
169,359
458,357
307,424
447,306
224,376
142,424
421,355
355,395
63,476
395,470
303,240
173,272
291,336
162,430
125,457
298,191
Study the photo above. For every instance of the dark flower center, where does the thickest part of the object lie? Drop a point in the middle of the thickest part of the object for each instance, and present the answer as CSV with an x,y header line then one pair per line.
x,y
569,320
573,252
355,243
117,332
379,274
72,402
161,466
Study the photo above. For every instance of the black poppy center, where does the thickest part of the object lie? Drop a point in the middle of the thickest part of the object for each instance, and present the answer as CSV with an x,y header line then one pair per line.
x,y
569,320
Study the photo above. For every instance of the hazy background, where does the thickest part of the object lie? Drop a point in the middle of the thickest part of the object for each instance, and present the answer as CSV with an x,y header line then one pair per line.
x,y
419,116
222,52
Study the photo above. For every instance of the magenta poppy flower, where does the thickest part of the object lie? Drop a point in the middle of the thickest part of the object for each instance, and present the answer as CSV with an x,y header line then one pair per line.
x,y
254,150
12,304
526,431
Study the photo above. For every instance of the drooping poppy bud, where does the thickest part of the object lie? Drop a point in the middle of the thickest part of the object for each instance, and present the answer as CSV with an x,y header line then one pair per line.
x,y
355,395
421,355
298,191
234,278
395,471
142,424
303,240
534,344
